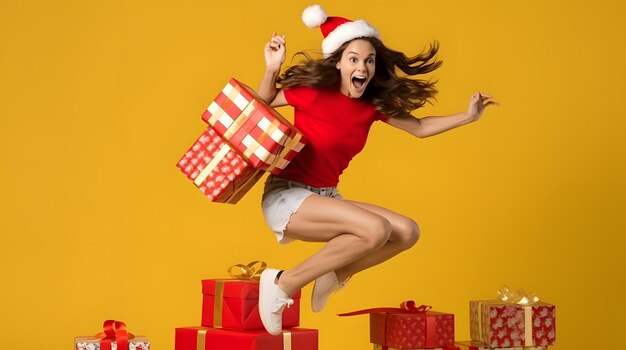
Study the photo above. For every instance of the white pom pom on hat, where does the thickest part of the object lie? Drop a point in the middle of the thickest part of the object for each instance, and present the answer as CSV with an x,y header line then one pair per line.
x,y
313,16
336,30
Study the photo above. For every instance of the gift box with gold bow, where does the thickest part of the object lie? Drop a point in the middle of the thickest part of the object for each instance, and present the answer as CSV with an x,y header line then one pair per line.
x,y
206,338
114,336
474,345
409,327
234,303
217,170
254,129
513,320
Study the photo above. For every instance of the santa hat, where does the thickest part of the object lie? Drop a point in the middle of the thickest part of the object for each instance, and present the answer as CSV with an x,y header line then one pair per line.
x,y
336,30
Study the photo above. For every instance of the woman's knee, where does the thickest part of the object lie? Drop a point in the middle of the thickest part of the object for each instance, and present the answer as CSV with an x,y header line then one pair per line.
x,y
408,233
377,233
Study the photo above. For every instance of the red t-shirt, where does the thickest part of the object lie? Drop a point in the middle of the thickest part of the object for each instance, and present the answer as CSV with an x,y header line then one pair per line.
x,y
335,127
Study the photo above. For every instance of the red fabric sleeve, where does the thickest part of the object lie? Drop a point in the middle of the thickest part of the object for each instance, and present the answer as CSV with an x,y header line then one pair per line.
x,y
300,96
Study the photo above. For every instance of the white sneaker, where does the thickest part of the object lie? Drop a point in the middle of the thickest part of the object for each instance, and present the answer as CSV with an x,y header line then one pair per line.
x,y
272,302
324,286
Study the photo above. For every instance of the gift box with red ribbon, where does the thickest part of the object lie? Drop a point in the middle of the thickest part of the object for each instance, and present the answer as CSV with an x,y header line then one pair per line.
x,y
409,327
206,338
217,170
254,129
514,320
114,336
474,345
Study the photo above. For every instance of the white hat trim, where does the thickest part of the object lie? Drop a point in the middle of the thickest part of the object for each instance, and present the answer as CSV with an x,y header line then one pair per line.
x,y
346,32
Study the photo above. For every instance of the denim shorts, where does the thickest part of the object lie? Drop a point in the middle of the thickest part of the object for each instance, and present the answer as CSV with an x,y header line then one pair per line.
x,y
282,198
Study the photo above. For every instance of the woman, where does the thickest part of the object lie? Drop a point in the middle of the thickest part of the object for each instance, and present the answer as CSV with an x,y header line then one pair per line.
x,y
336,100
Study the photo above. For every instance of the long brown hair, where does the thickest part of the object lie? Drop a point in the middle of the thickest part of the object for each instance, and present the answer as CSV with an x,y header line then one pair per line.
x,y
393,95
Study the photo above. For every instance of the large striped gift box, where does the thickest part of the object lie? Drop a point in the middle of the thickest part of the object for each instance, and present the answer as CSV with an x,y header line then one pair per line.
x,y
252,128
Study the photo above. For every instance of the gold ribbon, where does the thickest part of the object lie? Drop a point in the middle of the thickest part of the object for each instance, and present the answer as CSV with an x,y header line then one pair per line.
x,y
212,164
251,271
239,121
288,147
286,340
201,339
256,144
520,297
218,304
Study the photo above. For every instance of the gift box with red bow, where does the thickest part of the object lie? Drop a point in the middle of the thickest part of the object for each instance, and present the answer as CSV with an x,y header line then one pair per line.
x,y
234,303
254,129
217,170
473,345
409,327
513,320
114,336
205,338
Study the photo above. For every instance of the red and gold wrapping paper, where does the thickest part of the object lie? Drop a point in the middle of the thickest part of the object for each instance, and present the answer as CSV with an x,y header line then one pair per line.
x,y
412,330
254,129
382,347
217,170
234,304
473,345
500,324
93,343
205,338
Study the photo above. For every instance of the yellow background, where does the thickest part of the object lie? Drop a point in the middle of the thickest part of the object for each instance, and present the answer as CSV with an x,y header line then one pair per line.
x,y
101,98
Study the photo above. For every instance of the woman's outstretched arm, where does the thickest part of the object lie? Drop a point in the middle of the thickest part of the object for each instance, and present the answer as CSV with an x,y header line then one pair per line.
x,y
429,126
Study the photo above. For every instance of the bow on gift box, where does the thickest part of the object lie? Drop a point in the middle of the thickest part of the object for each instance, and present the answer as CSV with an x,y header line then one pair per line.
x,y
114,331
520,297
250,272
406,307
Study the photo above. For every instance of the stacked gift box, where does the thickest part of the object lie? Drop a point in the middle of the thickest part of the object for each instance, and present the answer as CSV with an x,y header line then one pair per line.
x,y
231,320
409,327
245,138
515,321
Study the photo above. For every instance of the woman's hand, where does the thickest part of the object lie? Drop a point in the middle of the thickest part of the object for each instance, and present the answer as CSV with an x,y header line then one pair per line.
x,y
275,52
478,103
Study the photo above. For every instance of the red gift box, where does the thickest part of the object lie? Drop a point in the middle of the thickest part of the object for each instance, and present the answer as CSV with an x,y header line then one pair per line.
x,y
412,330
381,347
474,345
203,338
234,304
218,171
254,129
502,324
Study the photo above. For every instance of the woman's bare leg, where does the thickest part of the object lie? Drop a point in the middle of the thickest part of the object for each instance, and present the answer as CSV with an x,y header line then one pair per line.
x,y
351,231
404,235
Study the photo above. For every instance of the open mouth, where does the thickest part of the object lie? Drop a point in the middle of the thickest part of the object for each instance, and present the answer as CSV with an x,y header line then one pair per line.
x,y
358,81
